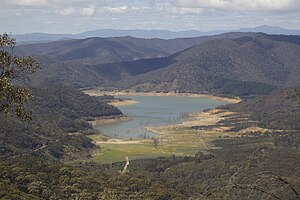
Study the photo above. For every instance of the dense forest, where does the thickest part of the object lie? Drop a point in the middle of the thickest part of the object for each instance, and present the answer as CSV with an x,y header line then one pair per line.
x,y
59,124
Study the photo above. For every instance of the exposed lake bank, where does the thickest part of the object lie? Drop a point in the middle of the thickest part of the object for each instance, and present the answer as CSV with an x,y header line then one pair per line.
x,y
122,102
109,120
133,93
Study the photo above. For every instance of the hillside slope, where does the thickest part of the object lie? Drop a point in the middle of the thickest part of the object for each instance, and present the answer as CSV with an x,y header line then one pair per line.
x,y
279,110
117,49
90,51
246,65
254,64
58,127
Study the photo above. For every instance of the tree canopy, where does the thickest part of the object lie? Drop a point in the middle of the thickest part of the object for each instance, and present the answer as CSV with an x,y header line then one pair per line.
x,y
13,70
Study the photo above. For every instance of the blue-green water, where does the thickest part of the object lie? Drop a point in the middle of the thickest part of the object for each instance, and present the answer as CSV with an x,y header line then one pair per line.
x,y
154,111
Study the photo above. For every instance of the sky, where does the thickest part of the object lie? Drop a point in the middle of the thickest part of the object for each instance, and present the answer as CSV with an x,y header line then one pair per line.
x,y
75,16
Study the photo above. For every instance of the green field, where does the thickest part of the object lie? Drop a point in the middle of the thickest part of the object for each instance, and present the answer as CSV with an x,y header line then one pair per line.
x,y
175,140
110,153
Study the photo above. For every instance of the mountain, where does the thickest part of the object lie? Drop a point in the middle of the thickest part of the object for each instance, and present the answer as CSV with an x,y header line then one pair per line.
x,y
234,64
147,34
242,66
73,62
106,33
91,50
40,37
115,49
270,30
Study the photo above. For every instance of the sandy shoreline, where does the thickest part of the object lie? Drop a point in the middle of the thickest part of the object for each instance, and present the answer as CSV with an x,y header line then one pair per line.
x,y
132,93
120,103
204,118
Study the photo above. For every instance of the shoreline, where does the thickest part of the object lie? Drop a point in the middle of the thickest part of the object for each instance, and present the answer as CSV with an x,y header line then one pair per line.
x,y
125,141
204,118
133,93
121,102
109,120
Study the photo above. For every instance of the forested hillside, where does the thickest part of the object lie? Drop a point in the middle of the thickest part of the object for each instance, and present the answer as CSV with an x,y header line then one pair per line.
x,y
256,64
91,50
280,110
96,50
58,127
243,66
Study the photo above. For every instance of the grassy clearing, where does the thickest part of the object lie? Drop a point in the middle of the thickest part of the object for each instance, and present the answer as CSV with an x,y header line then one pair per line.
x,y
175,140
110,153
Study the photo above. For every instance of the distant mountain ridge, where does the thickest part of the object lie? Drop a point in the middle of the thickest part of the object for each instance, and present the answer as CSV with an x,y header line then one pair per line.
x,y
148,34
111,50
246,65
242,66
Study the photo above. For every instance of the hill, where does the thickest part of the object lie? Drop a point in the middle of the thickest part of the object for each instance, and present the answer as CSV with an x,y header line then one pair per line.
x,y
75,62
231,64
279,110
114,49
58,127
90,51
242,66
271,30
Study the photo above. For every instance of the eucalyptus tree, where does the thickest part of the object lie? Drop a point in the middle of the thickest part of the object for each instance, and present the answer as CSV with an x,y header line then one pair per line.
x,y
13,70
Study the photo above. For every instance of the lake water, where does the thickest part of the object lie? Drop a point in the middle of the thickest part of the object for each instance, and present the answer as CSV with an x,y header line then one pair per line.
x,y
154,111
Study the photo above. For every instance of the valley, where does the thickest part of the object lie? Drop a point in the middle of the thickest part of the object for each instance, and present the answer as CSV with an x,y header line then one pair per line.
x,y
214,117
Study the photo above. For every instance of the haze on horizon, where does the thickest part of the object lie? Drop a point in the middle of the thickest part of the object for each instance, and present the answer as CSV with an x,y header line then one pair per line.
x,y
75,16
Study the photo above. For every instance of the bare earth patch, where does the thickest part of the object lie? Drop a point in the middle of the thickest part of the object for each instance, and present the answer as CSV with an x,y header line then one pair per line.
x,y
119,141
109,120
133,93
119,103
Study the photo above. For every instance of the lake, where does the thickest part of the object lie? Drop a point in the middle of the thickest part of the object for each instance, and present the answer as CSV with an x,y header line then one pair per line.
x,y
154,111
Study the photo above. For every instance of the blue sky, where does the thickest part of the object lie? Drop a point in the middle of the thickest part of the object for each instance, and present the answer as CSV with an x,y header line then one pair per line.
x,y
75,16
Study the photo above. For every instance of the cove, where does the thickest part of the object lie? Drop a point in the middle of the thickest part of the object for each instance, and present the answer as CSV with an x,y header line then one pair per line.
x,y
154,111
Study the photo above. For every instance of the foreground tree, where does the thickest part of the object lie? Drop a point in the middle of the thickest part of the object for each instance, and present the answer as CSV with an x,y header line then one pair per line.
x,y
13,70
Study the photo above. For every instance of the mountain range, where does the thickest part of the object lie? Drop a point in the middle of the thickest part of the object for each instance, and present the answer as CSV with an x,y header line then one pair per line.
x,y
246,65
231,64
148,34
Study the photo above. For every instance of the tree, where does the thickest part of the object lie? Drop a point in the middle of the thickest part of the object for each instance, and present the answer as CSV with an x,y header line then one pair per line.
x,y
13,70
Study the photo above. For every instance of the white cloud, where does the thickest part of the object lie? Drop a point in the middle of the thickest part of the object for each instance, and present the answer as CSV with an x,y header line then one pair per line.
x,y
88,11
21,16
116,10
172,9
29,2
246,5
67,11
